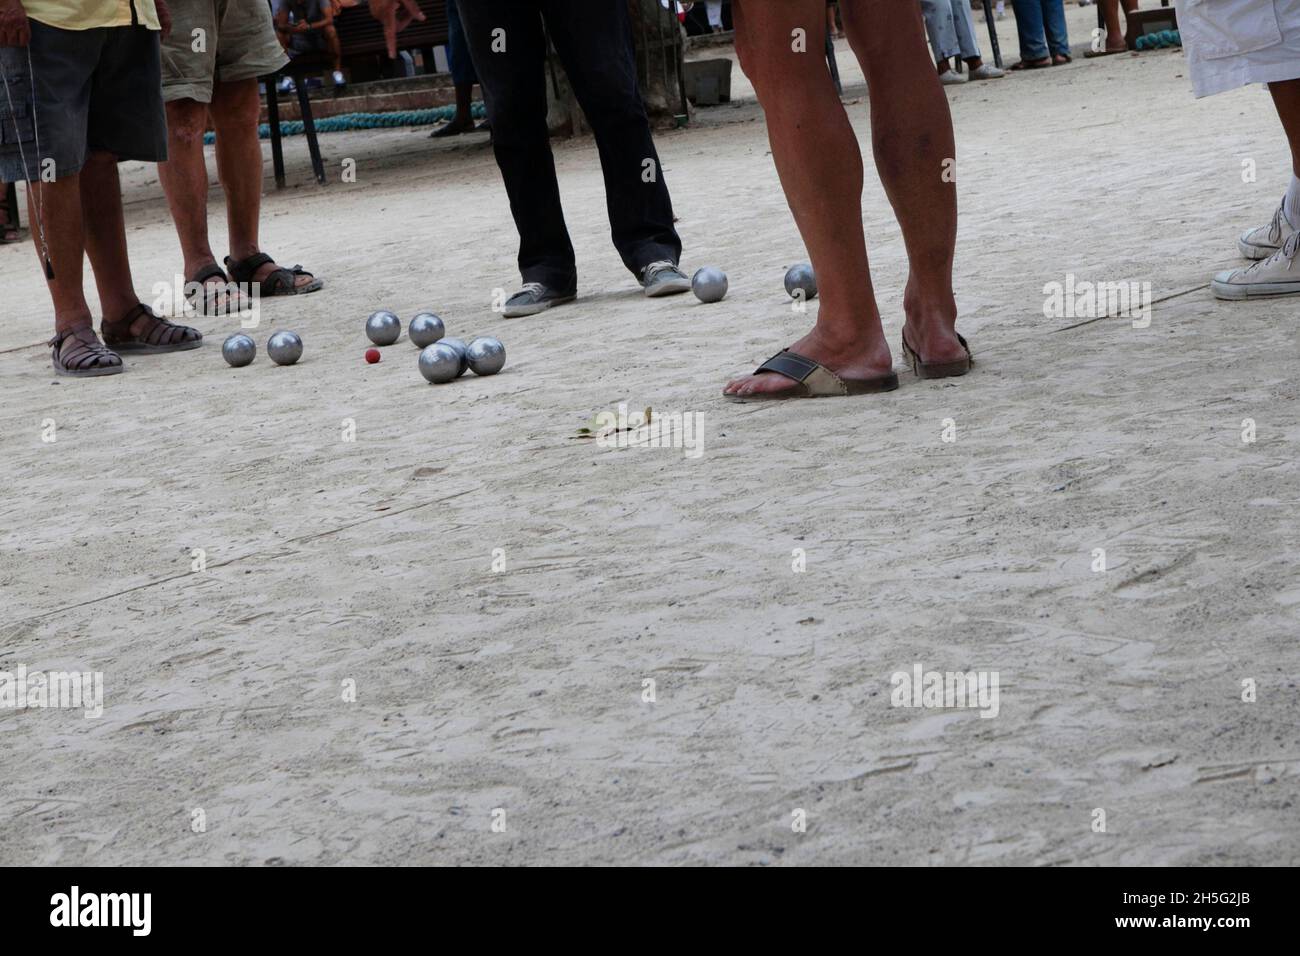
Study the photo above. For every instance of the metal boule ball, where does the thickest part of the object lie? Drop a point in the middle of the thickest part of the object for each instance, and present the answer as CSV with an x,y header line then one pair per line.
x,y
486,355
709,284
424,329
462,349
801,282
238,350
439,363
285,348
383,327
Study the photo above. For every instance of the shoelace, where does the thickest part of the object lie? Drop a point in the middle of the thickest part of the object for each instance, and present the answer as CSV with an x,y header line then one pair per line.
x,y
654,268
1275,227
536,288
1287,252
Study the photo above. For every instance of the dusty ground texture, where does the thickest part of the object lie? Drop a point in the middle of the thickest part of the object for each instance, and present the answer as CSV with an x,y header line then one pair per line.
x,y
371,561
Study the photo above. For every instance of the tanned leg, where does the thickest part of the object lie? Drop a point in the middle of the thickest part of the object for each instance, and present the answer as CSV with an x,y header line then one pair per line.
x,y
105,235
59,203
912,139
185,181
820,166
1286,97
235,110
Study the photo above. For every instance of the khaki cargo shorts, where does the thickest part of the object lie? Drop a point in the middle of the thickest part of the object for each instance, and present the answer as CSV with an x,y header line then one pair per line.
x,y
217,41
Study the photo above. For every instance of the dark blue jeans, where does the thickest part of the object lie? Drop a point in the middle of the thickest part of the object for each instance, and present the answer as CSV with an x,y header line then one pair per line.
x,y
1041,25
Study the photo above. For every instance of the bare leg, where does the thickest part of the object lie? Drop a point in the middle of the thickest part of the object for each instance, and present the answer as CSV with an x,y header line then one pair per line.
x,y
60,204
185,181
911,136
820,167
334,47
1286,97
105,229
235,109
1114,32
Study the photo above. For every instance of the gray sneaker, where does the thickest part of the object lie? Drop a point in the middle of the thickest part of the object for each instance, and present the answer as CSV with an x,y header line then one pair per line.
x,y
533,298
1263,241
664,278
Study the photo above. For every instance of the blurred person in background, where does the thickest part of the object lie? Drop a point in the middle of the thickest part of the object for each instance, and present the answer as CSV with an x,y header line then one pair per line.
x,y
952,34
1044,40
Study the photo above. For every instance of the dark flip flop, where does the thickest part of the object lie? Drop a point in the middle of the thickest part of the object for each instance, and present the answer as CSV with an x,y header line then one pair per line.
x,y
1092,54
814,380
158,336
1031,65
937,369
280,282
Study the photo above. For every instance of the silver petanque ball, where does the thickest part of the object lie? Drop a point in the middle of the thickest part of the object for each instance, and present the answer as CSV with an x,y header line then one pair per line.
x,y
800,279
425,329
238,350
439,363
486,355
462,349
383,327
285,348
709,284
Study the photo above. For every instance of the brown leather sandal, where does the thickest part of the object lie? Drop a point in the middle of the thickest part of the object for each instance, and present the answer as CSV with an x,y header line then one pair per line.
x,y
937,369
210,298
814,380
280,281
146,333
78,353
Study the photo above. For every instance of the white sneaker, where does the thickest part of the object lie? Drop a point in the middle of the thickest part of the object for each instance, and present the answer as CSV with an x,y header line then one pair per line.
x,y
1263,241
1276,275
951,78
986,72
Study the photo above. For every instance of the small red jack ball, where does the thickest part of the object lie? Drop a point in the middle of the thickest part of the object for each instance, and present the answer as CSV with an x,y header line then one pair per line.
x,y
372,356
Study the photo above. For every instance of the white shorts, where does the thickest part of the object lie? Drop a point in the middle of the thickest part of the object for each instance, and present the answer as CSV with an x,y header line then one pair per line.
x,y
1232,43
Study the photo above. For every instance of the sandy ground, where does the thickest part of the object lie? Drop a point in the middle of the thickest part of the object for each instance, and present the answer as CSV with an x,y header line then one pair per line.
x,y
371,561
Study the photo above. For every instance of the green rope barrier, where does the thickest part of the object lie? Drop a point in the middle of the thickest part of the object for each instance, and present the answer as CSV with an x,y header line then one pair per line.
x,y
1159,39
353,121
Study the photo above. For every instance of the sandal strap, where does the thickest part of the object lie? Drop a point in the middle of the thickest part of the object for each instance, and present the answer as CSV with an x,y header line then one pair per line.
x,y
211,271
280,281
283,279
83,354
815,378
245,269
158,329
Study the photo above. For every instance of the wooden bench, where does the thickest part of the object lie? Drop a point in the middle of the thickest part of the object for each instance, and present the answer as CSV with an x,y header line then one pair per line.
x,y
360,37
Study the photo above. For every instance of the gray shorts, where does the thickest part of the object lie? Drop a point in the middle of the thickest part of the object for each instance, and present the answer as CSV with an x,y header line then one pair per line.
x,y
240,45
97,89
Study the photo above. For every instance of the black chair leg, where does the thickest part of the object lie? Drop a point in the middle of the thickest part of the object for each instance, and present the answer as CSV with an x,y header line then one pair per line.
x,y
832,65
993,34
273,118
309,129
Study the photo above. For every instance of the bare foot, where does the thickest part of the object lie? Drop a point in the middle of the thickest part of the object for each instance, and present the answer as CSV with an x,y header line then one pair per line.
x,y
930,327
854,358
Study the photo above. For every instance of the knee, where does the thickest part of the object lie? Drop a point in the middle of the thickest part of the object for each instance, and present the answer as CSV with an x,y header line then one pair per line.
x,y
238,108
99,159
187,121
